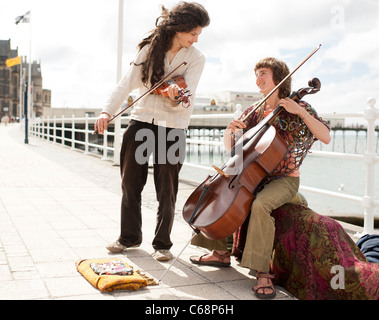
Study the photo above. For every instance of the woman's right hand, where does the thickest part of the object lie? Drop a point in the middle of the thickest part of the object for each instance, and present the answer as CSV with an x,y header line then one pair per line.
x,y
102,122
235,125
230,133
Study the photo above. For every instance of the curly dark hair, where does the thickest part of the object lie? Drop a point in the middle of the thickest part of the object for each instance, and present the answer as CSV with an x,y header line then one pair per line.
x,y
184,17
279,70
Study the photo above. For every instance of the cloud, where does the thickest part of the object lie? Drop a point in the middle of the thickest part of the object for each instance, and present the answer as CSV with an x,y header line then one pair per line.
x,y
76,42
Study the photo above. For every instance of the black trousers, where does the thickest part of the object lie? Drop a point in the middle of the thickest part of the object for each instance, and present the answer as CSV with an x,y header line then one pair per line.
x,y
167,145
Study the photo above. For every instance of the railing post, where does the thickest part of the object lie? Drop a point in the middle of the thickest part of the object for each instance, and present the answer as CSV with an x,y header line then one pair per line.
x,y
38,129
55,129
63,130
73,132
105,146
42,129
48,128
86,148
117,142
370,115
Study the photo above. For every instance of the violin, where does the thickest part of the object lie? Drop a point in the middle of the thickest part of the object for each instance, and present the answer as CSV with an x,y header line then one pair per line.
x,y
152,89
163,88
183,94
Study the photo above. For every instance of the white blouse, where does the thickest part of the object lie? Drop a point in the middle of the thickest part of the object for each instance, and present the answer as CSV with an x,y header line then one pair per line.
x,y
155,108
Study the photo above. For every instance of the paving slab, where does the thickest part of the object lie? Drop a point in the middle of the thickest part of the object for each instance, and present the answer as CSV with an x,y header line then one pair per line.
x,y
58,206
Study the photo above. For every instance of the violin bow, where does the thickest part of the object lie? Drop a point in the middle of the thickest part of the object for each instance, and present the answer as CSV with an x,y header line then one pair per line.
x,y
281,82
289,75
157,85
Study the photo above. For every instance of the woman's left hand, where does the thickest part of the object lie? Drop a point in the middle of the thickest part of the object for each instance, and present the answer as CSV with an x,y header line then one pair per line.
x,y
291,106
318,129
173,92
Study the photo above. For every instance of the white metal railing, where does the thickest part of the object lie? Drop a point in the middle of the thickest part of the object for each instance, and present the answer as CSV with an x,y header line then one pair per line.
x,y
48,129
56,129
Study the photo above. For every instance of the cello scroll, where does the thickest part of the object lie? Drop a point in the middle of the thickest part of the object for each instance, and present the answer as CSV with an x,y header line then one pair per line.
x,y
314,87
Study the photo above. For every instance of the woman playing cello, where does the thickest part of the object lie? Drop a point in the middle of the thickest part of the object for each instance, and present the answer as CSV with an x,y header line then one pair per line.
x,y
300,126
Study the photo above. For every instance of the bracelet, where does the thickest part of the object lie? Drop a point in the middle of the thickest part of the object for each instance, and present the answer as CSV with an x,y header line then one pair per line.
x,y
305,116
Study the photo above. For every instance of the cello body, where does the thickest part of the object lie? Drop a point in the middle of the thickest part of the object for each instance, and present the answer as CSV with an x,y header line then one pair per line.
x,y
222,202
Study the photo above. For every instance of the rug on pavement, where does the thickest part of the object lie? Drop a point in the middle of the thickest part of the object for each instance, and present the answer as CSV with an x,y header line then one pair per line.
x,y
109,275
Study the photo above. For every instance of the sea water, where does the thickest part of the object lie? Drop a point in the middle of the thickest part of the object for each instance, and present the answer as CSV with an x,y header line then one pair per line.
x,y
345,176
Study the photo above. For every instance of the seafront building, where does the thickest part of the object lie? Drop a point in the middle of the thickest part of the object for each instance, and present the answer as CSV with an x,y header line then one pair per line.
x,y
12,82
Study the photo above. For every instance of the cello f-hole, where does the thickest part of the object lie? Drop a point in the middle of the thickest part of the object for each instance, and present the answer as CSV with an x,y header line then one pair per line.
x,y
231,186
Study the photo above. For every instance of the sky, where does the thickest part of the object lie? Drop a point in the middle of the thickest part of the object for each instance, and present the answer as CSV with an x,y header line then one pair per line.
x,y
76,43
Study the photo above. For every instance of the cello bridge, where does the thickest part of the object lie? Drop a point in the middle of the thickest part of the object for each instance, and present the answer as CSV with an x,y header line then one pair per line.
x,y
220,172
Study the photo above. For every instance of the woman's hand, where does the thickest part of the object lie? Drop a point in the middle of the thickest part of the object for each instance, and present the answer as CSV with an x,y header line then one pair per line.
x,y
235,125
292,107
229,135
102,122
173,92
318,129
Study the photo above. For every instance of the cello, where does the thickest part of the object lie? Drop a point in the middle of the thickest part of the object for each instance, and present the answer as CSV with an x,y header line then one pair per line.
x,y
222,202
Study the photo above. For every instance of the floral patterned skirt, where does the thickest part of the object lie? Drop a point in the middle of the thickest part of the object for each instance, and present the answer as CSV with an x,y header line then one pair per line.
x,y
315,259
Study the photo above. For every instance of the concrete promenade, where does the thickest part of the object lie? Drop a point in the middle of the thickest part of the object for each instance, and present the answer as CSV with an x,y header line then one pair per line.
x,y
58,206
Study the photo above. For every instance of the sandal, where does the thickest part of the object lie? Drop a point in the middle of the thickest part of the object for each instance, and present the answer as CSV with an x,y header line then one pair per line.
x,y
219,263
269,285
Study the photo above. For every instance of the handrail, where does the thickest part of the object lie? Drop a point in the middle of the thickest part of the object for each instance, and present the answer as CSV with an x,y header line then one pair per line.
x,y
64,131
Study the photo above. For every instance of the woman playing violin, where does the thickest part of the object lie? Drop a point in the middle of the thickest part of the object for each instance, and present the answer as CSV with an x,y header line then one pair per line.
x,y
300,126
158,123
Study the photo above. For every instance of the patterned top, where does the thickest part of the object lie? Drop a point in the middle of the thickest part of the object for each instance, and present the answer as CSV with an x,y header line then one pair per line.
x,y
293,130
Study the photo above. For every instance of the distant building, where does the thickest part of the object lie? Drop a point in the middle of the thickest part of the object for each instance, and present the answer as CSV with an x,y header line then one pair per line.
x,y
225,101
336,122
9,82
69,112
230,99
41,97
10,98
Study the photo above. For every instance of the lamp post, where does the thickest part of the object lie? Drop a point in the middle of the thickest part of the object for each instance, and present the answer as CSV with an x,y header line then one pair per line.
x,y
117,125
26,18
26,112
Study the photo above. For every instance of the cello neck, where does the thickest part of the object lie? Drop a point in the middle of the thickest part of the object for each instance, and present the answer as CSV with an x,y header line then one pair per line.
x,y
272,116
